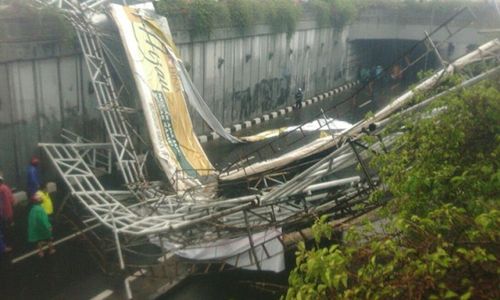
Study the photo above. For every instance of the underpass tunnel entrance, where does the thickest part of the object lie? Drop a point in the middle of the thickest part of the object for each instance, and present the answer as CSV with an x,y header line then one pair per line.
x,y
391,55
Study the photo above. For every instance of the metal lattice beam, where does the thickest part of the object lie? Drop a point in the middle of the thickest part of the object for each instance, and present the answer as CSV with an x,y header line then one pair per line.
x,y
79,14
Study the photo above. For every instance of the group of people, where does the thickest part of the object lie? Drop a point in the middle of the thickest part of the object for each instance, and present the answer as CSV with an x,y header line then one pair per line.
x,y
40,211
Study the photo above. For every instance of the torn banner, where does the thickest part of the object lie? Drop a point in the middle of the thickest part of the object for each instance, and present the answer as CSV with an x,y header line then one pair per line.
x,y
154,69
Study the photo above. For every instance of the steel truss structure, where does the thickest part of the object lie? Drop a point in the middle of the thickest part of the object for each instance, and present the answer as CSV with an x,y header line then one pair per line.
x,y
142,213
107,94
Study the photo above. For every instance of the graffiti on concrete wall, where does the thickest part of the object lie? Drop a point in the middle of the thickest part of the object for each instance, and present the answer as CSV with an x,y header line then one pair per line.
x,y
242,104
272,93
266,95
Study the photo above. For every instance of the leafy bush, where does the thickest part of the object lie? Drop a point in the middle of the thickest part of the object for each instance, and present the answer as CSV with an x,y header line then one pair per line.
x,y
322,10
204,15
172,7
441,240
201,15
242,13
46,18
336,13
282,15
450,158
446,255
343,12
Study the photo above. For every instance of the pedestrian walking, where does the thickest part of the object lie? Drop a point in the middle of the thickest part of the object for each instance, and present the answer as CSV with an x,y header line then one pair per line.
x,y
39,227
299,96
6,203
33,177
6,214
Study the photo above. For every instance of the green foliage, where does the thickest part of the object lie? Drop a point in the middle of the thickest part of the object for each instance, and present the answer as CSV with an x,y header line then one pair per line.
x,y
336,13
322,10
242,13
446,255
449,157
282,15
424,74
369,115
44,19
171,8
442,241
343,12
62,26
204,15
201,15
444,84
321,229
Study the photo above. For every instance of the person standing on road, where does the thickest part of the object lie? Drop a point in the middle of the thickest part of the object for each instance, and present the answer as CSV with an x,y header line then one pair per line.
x,y
39,227
6,215
299,96
33,177
6,203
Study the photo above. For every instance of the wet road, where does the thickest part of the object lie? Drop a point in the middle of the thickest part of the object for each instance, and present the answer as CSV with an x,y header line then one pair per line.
x,y
222,153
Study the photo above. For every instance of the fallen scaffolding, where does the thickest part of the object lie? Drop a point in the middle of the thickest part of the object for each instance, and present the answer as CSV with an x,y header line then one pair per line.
x,y
204,229
189,226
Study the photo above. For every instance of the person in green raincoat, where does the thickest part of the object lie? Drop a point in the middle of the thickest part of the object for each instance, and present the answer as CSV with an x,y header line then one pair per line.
x,y
39,227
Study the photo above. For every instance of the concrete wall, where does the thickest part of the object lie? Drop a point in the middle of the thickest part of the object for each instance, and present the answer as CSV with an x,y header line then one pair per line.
x,y
243,76
43,88
38,98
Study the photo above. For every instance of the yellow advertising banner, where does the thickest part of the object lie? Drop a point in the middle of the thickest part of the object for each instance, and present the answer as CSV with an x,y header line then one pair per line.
x,y
152,57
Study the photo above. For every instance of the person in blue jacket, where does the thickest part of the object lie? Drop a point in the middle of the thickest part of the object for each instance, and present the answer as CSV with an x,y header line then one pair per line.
x,y
33,177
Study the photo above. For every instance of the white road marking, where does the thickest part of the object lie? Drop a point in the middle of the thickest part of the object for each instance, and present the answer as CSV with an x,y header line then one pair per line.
x,y
103,295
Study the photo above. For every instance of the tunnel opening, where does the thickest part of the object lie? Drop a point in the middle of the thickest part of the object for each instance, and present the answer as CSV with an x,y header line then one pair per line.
x,y
394,56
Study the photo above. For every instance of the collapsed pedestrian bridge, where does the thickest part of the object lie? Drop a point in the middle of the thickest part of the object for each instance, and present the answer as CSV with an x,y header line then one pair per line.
x,y
192,218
